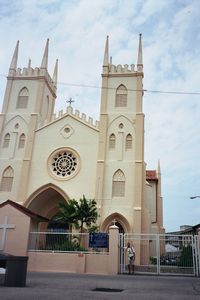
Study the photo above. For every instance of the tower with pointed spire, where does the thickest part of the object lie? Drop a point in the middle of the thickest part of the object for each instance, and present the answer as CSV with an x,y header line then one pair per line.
x,y
28,104
120,165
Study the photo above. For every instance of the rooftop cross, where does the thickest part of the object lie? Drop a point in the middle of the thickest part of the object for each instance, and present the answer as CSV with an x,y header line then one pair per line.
x,y
5,226
70,101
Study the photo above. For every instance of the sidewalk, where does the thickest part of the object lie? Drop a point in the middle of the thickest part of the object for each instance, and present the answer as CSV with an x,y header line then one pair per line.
x,y
49,286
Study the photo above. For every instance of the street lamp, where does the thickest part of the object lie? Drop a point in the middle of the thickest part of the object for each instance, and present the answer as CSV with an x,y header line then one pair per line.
x,y
194,197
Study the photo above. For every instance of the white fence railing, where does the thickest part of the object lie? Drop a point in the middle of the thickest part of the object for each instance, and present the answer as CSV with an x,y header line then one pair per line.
x,y
62,242
162,254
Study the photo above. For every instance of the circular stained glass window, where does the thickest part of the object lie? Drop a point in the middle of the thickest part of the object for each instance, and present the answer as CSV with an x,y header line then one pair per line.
x,y
64,163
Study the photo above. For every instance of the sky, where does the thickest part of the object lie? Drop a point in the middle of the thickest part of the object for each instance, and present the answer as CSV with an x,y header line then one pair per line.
x,y
171,55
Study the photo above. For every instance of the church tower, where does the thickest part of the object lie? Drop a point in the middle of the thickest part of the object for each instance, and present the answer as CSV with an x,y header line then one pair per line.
x,y
28,104
120,166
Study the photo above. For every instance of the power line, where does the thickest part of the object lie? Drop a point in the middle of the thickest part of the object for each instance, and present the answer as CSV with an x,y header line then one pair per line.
x,y
130,90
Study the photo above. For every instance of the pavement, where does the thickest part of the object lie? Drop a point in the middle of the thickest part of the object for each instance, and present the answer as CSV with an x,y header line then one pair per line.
x,y
49,286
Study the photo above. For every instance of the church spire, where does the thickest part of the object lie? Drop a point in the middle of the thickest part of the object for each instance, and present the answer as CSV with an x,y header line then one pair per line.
x,y
140,60
13,64
158,168
44,63
106,55
55,73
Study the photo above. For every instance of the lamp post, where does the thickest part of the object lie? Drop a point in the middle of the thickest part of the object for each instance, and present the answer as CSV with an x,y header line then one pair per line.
x,y
194,197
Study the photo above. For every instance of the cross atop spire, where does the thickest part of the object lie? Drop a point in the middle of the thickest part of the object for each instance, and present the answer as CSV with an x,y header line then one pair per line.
x,y
70,101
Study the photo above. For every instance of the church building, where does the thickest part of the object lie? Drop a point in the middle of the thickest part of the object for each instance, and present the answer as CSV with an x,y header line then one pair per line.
x,y
46,158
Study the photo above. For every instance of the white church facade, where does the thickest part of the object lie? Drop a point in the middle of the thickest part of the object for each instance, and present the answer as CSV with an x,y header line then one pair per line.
x,y
46,159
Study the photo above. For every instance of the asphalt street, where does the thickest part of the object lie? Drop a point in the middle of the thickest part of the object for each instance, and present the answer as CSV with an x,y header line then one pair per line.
x,y
48,286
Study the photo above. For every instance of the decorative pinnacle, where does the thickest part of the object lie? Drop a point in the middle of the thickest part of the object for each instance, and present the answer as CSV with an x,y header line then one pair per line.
x,y
106,55
13,64
55,73
140,60
44,63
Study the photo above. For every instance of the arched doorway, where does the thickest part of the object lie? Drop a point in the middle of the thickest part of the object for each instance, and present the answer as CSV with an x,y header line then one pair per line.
x,y
45,202
118,220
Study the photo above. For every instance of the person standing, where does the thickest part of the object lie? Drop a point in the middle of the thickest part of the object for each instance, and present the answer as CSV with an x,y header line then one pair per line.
x,y
131,257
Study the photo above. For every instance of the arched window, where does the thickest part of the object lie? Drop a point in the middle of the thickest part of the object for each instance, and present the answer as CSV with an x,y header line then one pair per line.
x,y
121,96
118,186
128,141
22,100
112,141
7,180
22,140
6,141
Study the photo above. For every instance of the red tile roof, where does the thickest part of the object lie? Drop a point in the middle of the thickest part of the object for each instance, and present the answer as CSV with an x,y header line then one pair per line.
x,y
151,175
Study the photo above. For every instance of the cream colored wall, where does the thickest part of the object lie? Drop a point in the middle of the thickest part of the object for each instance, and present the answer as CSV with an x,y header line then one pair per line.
x,y
151,195
83,141
119,158
16,239
90,263
68,262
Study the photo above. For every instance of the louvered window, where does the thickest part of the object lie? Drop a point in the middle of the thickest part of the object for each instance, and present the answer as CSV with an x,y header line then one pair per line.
x,y
121,96
118,187
128,141
22,101
112,141
7,180
22,140
6,141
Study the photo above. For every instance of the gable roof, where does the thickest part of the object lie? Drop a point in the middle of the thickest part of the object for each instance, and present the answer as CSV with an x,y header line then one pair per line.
x,y
24,210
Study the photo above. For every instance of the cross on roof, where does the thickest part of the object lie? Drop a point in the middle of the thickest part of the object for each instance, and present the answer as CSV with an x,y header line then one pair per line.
x,y
114,222
5,226
70,101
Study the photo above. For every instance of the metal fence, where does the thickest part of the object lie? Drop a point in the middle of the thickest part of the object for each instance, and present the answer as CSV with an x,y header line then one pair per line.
x,y
162,254
62,242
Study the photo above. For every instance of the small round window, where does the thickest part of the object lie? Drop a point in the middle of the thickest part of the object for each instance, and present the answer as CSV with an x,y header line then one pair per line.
x,y
64,163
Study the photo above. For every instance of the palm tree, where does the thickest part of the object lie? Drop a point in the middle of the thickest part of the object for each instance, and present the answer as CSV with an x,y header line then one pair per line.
x,y
87,212
67,214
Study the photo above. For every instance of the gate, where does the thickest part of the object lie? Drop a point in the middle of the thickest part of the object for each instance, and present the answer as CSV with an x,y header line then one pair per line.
x,y
162,254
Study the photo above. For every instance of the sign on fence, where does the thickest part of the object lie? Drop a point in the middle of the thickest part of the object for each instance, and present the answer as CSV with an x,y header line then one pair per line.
x,y
98,240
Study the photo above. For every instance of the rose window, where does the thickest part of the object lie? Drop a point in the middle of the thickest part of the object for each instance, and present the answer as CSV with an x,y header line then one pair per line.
x,y
64,163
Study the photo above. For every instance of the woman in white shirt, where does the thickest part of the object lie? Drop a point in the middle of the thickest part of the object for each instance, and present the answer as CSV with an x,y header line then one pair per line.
x,y
131,257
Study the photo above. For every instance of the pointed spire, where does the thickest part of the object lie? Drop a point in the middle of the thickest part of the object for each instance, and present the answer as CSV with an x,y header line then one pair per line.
x,y
13,64
106,54
29,63
158,168
44,63
55,73
140,61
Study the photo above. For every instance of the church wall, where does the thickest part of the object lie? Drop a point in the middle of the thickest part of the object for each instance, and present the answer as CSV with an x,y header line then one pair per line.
x,y
151,196
83,140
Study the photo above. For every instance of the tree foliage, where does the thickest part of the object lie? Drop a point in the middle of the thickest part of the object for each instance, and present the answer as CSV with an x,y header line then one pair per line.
x,y
78,213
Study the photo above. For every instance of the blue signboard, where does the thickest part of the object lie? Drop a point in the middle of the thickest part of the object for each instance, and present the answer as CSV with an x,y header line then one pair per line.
x,y
98,240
